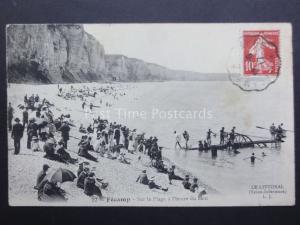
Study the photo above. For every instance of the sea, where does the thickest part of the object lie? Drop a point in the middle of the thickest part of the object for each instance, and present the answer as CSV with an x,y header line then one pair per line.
x,y
160,108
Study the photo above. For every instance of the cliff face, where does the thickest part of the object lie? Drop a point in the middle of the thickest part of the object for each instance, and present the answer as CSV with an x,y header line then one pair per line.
x,y
67,54
53,54
122,68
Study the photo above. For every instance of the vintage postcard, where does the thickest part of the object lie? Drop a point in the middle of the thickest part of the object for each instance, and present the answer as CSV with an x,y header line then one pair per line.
x,y
150,114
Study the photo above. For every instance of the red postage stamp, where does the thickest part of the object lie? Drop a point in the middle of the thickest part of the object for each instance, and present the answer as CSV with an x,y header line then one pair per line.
x,y
261,53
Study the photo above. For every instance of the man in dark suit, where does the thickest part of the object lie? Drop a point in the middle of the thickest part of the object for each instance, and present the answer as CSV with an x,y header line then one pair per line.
x,y
17,134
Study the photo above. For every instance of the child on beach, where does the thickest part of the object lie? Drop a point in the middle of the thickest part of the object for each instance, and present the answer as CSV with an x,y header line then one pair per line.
x,y
35,144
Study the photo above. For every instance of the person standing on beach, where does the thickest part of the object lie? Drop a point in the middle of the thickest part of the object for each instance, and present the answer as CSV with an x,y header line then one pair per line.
x,y
83,105
65,130
25,117
10,116
177,139
117,134
17,134
32,130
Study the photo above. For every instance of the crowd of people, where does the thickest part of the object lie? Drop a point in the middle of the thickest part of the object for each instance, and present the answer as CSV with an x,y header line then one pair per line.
x,y
104,139
88,94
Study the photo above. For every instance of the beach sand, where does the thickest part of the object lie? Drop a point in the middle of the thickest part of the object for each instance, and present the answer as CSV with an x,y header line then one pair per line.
x,y
123,188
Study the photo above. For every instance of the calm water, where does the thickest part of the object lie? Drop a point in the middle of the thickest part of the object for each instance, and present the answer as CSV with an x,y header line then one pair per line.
x,y
228,107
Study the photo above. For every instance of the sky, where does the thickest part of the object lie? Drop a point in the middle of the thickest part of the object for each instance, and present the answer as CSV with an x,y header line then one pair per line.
x,y
194,47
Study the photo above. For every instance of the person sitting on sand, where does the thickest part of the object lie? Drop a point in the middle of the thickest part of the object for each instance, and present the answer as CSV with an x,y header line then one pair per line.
x,y
160,167
90,187
122,158
152,185
194,186
84,174
63,154
82,129
81,166
89,129
83,149
35,144
143,178
172,175
90,146
41,175
186,183
49,148
51,192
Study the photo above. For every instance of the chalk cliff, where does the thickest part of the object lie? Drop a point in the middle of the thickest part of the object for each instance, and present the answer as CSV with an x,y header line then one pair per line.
x,y
52,54
67,54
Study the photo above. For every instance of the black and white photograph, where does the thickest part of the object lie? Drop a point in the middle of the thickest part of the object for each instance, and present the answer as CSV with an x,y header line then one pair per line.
x,y
168,114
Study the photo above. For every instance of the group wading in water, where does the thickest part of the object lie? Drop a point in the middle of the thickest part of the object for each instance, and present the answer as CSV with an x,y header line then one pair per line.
x,y
232,140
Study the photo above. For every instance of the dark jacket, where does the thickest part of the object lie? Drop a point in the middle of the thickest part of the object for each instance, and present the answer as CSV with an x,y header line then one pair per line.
x,y
83,149
143,179
17,131
81,178
10,112
48,149
25,116
117,134
186,184
32,129
65,129
89,186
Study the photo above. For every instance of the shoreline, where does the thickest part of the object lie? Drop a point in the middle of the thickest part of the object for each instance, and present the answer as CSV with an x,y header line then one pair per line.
x,y
109,169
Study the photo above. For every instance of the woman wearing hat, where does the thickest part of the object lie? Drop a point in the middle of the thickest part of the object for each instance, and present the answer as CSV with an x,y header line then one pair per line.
x,y
63,154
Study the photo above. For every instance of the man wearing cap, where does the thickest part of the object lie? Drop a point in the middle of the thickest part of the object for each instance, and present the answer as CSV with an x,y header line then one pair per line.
x,y
17,134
